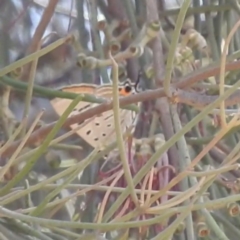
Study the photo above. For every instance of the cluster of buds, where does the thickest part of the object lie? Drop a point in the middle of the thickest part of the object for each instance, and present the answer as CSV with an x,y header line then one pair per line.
x,y
112,43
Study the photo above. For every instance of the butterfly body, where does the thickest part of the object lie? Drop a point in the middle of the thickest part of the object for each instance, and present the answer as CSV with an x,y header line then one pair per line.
x,y
99,130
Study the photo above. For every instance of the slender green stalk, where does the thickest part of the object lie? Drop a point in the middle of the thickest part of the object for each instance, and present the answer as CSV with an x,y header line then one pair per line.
x,y
46,92
29,230
208,218
29,92
131,15
63,146
13,136
7,235
214,204
96,38
197,10
221,218
20,147
32,56
66,233
87,75
214,226
54,178
173,46
211,36
234,151
99,188
38,210
31,162
80,225
119,133
185,160
169,231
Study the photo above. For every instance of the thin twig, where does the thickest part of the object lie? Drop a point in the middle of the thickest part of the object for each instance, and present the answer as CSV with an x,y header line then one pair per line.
x,y
161,105
107,195
46,17
222,70
31,57
21,145
29,165
119,133
173,46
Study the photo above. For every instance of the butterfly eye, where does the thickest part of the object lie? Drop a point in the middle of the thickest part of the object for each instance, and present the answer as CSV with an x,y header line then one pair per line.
x,y
126,90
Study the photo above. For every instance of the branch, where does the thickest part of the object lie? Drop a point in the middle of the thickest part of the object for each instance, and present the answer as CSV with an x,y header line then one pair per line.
x,y
190,79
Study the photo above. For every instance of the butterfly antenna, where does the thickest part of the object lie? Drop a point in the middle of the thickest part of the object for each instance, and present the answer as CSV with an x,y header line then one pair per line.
x,y
138,80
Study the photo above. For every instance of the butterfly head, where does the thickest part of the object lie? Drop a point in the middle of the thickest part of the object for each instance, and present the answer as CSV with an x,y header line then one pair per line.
x,y
126,88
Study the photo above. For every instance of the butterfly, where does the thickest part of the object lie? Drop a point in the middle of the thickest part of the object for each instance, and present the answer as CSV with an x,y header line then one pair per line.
x,y
99,130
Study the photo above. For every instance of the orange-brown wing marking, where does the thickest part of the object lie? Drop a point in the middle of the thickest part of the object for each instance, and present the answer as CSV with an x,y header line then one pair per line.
x,y
80,89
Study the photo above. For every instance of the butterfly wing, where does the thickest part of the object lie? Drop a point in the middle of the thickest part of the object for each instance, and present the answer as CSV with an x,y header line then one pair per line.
x,y
61,104
99,130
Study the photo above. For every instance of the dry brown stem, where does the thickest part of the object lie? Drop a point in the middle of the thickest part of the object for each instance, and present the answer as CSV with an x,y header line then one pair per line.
x,y
184,82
